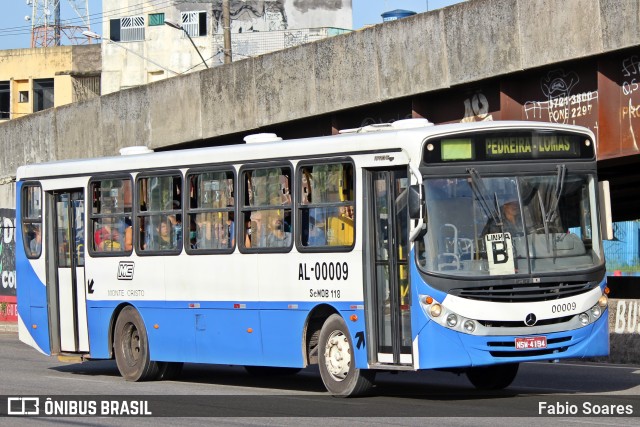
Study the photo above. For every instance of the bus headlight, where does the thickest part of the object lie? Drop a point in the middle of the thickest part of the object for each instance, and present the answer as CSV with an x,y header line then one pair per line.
x,y
435,310
448,318
584,318
596,311
469,326
452,320
603,301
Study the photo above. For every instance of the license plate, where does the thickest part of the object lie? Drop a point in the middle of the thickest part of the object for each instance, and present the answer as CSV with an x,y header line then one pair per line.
x,y
529,343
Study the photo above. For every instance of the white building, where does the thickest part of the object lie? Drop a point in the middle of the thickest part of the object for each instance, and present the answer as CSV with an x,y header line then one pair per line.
x,y
138,47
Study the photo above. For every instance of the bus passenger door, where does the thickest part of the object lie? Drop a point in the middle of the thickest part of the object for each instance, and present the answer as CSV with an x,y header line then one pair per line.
x,y
65,288
386,252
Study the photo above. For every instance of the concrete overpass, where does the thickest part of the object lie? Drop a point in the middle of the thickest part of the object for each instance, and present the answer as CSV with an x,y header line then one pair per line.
x,y
571,61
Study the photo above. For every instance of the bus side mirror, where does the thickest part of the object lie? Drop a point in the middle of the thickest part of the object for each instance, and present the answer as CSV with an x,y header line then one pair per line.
x,y
606,224
416,202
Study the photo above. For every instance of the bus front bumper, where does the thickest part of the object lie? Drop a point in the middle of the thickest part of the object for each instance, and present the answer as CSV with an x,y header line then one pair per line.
x,y
439,347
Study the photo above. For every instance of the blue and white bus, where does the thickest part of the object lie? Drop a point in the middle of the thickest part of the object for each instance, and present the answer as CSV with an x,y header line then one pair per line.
x,y
401,247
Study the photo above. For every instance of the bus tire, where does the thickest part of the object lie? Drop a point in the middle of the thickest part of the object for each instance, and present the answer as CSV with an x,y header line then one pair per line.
x,y
336,361
494,377
131,347
168,371
270,371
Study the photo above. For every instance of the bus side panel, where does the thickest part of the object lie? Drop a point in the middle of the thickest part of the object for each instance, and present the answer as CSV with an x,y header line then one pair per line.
x,y
31,292
229,336
99,324
171,333
357,331
283,337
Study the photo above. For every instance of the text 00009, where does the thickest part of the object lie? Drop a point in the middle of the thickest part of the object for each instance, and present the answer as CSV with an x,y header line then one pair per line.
x,y
561,308
323,271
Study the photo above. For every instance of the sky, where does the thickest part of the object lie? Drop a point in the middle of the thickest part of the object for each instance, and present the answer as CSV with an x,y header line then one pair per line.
x,y
15,31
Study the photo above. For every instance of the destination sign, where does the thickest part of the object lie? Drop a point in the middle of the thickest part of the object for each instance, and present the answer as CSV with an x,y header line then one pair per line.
x,y
509,145
526,147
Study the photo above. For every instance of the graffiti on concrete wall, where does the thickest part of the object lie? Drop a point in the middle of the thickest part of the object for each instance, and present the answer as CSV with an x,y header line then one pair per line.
x,y
379,120
295,38
7,252
476,109
561,103
630,87
627,317
252,15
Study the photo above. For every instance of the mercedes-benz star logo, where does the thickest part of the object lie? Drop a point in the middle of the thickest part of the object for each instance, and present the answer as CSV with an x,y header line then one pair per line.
x,y
530,320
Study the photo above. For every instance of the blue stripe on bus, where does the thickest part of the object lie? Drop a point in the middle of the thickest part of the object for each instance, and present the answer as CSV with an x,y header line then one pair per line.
x,y
260,334
32,293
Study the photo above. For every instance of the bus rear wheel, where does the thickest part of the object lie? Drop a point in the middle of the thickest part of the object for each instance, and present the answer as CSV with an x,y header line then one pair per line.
x,y
131,347
336,361
494,377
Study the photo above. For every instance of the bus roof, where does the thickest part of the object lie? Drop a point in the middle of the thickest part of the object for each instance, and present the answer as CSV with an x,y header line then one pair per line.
x,y
356,140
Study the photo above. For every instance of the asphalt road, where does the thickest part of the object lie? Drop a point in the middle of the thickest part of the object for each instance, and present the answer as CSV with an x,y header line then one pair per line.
x,y
224,395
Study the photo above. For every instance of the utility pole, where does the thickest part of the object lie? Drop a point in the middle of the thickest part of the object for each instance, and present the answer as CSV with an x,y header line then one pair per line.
x,y
226,30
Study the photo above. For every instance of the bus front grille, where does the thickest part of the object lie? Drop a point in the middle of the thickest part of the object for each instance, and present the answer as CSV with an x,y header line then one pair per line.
x,y
521,324
529,292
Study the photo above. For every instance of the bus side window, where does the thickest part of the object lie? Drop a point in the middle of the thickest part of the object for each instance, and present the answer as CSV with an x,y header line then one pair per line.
x,y
32,220
211,211
326,211
110,230
160,215
266,208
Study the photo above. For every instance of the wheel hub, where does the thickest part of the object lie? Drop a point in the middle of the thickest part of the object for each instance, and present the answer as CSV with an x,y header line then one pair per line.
x,y
337,355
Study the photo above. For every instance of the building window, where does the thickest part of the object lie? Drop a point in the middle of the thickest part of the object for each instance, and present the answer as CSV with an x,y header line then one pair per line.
x,y
23,96
5,98
127,29
195,23
43,94
156,19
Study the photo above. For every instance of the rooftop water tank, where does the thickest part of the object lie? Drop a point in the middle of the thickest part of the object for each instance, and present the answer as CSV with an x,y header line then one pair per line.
x,y
396,14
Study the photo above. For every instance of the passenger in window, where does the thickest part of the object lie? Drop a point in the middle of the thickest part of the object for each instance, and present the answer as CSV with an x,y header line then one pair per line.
x,y
162,239
347,212
193,235
176,225
247,233
128,235
278,238
36,241
113,242
231,231
102,233
176,221
511,221
317,237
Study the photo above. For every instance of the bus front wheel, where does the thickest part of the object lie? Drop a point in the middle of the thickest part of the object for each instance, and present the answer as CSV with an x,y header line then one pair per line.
x,y
336,361
131,347
494,377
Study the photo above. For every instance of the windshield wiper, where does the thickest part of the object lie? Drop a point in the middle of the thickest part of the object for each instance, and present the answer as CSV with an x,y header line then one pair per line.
x,y
557,192
480,191
549,215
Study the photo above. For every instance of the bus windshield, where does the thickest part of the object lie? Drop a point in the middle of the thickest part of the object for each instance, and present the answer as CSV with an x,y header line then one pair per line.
x,y
511,225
